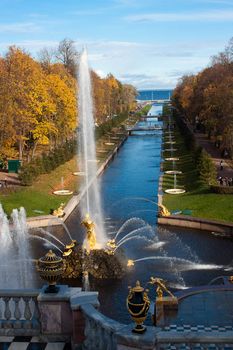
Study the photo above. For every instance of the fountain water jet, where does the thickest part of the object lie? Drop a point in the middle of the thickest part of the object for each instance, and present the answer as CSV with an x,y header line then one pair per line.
x,y
87,150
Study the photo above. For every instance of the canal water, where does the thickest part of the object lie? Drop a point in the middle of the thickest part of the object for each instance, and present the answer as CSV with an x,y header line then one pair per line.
x,y
129,189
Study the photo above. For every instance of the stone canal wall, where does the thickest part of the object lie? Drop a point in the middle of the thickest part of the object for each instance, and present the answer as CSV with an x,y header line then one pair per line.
x,y
50,220
197,223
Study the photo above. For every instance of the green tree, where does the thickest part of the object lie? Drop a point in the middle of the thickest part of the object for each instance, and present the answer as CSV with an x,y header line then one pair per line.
x,y
207,169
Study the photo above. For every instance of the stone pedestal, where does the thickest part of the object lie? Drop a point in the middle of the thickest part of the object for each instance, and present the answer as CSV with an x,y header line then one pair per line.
x,y
162,305
55,312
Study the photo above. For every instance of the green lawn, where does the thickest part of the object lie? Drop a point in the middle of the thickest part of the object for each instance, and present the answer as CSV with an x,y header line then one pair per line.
x,y
40,197
198,198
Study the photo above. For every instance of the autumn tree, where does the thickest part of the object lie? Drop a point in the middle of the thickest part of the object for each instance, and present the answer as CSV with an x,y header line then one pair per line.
x,y
208,97
64,99
68,55
29,101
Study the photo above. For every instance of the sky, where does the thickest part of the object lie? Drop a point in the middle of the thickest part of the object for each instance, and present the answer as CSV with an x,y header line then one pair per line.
x,y
147,43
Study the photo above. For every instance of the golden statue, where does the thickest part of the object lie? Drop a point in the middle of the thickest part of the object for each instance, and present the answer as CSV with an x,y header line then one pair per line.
x,y
163,211
161,288
91,236
59,212
111,246
130,263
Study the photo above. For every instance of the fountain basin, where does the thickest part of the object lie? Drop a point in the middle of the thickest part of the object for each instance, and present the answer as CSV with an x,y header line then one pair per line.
x,y
172,158
173,172
63,193
175,191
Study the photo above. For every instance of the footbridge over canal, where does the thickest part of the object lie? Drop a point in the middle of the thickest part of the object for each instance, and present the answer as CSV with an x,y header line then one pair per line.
x,y
136,128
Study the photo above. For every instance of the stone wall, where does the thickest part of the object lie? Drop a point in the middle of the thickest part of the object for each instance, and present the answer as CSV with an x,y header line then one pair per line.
x,y
197,223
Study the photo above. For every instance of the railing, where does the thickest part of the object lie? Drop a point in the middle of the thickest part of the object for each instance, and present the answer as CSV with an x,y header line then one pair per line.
x,y
99,330
103,333
19,313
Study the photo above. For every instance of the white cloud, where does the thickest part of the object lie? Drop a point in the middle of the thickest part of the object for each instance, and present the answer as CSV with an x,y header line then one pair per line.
x,y
210,16
147,64
26,27
31,45
145,81
100,73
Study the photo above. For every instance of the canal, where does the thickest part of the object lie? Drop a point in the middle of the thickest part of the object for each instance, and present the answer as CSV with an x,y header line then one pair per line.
x,y
129,189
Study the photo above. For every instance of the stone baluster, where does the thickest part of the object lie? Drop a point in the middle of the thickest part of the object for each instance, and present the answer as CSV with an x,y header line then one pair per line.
x,y
89,334
17,313
7,313
109,340
97,336
1,312
36,313
27,313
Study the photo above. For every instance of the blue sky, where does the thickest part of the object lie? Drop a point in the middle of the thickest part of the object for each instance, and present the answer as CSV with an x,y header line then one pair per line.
x,y
148,43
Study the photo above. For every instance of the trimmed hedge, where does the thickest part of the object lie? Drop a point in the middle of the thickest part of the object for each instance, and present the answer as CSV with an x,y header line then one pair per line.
x,y
187,134
108,125
205,166
47,162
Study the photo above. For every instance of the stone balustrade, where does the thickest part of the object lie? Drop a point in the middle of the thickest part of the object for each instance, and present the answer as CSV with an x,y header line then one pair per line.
x,y
72,314
19,312
100,331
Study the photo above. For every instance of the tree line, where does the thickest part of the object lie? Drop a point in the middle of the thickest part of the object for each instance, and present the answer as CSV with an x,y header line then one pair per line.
x,y
38,104
205,100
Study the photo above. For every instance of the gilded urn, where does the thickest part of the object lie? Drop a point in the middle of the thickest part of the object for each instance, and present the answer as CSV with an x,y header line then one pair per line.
x,y
138,305
50,268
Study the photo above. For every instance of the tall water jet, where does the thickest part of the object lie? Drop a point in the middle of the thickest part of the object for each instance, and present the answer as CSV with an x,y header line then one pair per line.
x,y
21,238
91,204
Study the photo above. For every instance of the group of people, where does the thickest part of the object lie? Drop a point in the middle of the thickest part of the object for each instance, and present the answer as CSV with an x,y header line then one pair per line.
x,y
225,181
3,183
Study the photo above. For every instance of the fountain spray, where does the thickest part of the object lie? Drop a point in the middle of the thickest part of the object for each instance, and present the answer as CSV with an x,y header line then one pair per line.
x,y
91,204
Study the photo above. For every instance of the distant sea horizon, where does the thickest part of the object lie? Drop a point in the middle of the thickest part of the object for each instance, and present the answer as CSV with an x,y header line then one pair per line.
x,y
154,94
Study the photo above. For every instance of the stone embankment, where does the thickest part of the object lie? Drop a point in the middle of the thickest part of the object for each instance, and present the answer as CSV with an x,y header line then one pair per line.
x,y
50,220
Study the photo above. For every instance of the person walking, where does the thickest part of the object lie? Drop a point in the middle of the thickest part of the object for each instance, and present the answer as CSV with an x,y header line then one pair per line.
x,y
221,165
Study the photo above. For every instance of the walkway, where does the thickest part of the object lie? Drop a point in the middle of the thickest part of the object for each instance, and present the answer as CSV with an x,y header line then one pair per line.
x,y
30,343
215,153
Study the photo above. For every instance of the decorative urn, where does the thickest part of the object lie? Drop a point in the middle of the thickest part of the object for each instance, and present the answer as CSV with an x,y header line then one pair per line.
x,y
138,305
50,268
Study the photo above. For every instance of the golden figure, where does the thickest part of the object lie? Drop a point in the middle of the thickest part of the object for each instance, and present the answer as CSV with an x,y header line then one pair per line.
x,y
130,263
163,211
59,212
161,288
111,246
91,236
